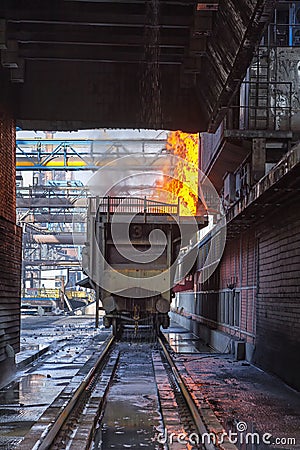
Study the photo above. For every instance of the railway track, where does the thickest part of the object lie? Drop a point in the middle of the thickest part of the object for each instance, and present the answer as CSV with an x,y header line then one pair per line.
x,y
133,396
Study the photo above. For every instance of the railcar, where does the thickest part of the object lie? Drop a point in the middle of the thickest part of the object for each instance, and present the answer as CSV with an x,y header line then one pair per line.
x,y
129,257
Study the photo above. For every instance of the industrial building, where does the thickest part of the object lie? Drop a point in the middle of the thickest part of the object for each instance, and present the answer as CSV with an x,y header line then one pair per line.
x,y
227,72
253,161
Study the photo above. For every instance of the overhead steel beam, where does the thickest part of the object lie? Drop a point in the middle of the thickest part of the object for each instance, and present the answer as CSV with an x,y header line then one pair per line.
x,y
57,263
163,62
93,18
84,32
59,238
117,141
139,2
105,40
73,166
82,52
30,203
37,217
181,25
63,7
52,154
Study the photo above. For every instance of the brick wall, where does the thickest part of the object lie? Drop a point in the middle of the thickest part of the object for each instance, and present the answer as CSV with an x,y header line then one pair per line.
x,y
227,300
238,268
278,315
10,240
7,167
10,284
263,265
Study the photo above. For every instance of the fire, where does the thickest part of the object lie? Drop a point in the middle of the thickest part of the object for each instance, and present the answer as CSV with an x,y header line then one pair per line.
x,y
184,181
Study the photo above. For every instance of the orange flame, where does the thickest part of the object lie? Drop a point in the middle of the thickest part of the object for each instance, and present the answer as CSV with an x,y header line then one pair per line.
x,y
184,181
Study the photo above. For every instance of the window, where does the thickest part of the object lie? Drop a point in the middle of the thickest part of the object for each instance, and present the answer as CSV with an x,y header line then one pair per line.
x,y
237,309
229,308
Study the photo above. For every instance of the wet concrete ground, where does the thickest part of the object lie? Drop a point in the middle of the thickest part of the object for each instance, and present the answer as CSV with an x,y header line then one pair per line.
x,y
240,393
183,341
236,391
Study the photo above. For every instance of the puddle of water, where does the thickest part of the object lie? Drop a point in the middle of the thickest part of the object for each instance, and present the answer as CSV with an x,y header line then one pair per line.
x,y
187,343
22,404
131,418
129,426
32,389
25,391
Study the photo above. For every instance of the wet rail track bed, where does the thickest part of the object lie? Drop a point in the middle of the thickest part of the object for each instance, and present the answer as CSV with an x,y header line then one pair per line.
x,y
170,392
131,396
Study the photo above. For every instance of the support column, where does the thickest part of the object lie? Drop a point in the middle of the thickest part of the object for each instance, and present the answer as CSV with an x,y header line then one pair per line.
x,y
258,159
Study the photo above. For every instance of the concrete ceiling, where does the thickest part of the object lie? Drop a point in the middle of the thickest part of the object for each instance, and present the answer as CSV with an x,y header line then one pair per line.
x,y
168,64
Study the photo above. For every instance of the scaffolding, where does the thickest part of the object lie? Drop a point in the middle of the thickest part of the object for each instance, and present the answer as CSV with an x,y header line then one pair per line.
x,y
80,154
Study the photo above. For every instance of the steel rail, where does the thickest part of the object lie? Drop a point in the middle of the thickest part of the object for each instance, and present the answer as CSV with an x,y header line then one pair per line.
x,y
200,425
63,416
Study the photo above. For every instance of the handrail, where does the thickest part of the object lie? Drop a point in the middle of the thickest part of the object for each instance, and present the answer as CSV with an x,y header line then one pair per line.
x,y
123,205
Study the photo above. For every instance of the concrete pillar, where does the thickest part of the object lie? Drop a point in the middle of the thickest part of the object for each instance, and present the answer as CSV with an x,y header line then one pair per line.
x,y
258,159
